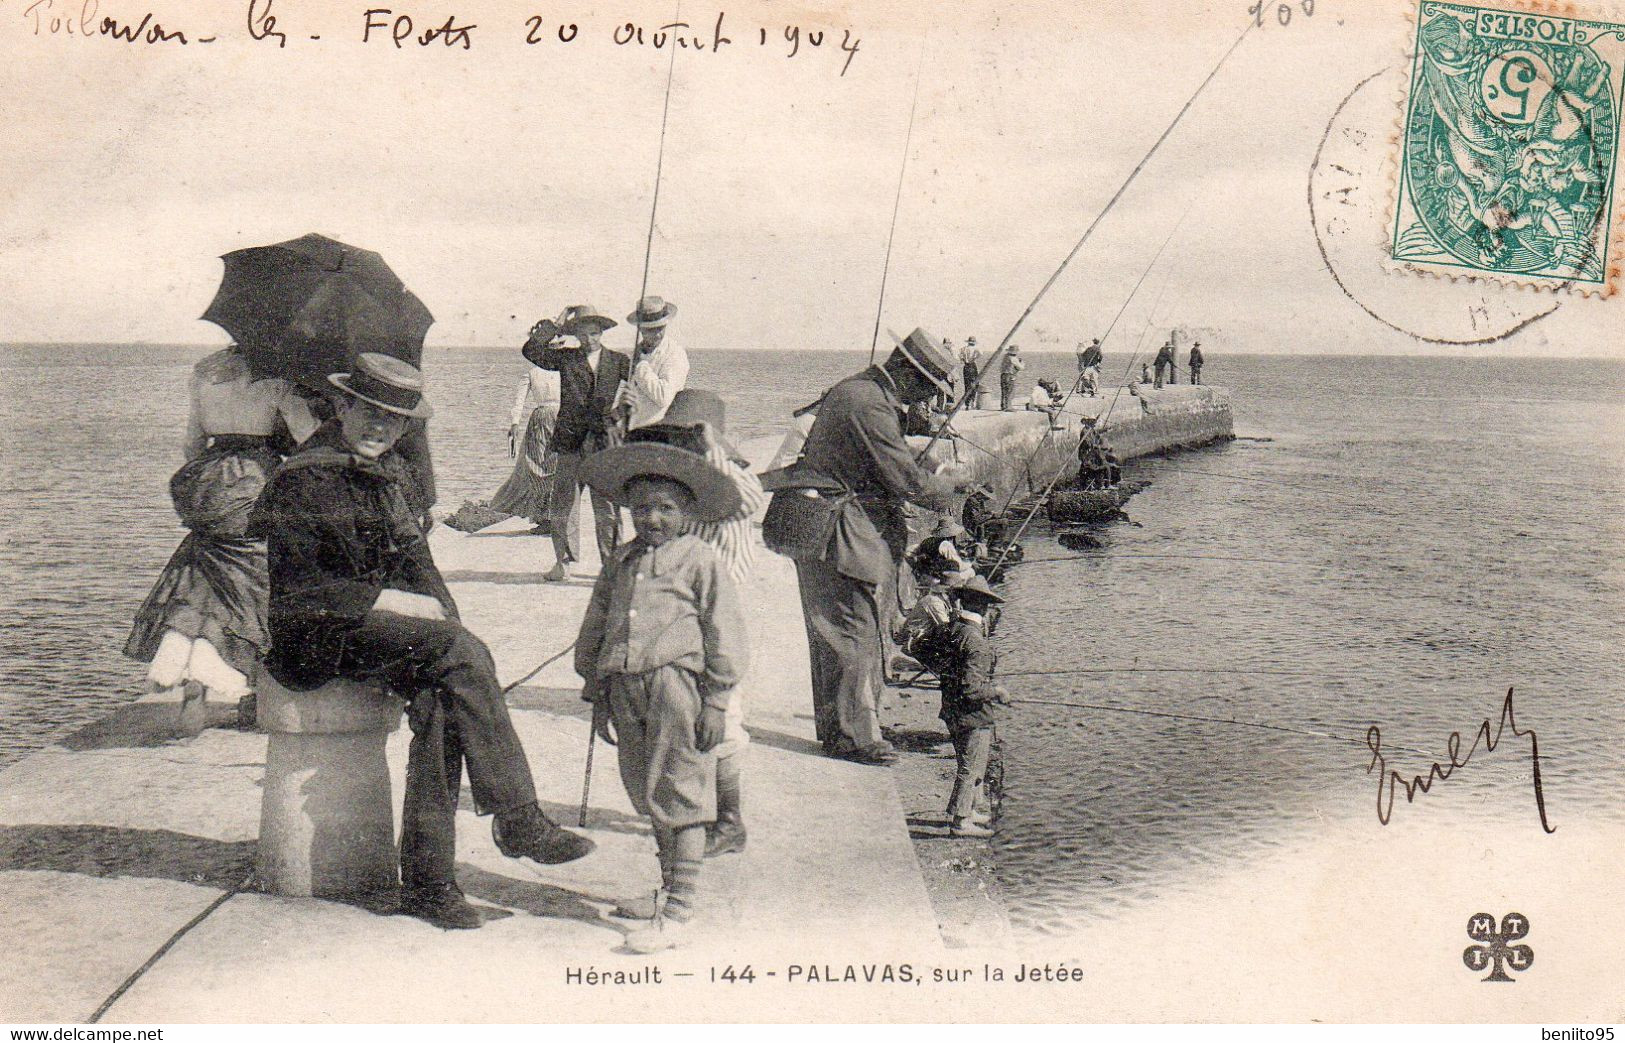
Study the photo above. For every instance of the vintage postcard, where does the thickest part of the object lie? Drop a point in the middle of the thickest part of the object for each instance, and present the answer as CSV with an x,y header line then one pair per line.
x,y
811,512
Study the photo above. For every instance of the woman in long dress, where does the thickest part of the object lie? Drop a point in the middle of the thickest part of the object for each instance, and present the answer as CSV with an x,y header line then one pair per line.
x,y
203,626
529,489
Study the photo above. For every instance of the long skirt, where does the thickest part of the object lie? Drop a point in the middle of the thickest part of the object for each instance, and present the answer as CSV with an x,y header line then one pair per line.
x,y
528,492
205,619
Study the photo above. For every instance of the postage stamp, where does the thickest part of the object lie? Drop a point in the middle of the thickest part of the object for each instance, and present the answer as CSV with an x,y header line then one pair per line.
x,y
1508,147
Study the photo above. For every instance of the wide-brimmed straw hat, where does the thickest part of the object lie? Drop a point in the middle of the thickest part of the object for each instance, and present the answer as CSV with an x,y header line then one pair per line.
x,y
652,311
925,353
582,315
715,495
690,408
946,528
976,589
386,382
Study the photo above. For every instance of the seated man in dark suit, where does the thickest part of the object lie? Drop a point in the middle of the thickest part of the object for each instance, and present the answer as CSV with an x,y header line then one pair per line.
x,y
355,594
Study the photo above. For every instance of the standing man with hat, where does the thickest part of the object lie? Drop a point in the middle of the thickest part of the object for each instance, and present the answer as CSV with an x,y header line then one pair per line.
x,y
592,416
839,513
659,366
1008,369
355,594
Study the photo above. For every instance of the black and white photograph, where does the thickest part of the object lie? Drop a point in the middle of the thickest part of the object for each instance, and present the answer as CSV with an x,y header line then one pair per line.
x,y
1001,511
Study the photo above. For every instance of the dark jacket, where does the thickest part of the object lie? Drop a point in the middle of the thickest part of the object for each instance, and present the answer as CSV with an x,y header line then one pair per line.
x,y
857,443
1196,358
587,397
967,682
338,530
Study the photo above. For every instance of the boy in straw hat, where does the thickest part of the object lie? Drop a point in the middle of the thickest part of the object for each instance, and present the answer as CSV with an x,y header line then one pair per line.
x,y
968,698
661,648
697,421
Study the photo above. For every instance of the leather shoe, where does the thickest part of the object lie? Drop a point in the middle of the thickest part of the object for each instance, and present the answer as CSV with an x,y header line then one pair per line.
x,y
528,833
724,840
881,754
444,907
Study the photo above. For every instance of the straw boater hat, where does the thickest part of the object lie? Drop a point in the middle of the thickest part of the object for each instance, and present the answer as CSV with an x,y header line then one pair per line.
x,y
652,311
946,529
690,408
976,589
925,353
715,495
385,382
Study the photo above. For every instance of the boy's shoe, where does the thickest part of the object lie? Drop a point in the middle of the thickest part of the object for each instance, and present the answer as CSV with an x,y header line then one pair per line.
x,y
445,907
664,933
528,833
643,907
966,827
724,840
556,574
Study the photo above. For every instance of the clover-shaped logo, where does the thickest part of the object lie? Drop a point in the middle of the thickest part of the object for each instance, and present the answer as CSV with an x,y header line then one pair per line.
x,y
1497,949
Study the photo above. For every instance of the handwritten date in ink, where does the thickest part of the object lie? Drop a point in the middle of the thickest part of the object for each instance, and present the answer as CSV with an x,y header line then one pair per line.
x,y
402,30
1264,12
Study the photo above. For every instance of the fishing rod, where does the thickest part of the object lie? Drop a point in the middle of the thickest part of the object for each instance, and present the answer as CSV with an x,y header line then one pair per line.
x,y
1022,528
897,203
660,158
643,291
1088,232
1211,720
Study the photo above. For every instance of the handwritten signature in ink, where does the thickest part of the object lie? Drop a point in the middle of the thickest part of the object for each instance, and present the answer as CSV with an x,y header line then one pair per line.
x,y
1389,782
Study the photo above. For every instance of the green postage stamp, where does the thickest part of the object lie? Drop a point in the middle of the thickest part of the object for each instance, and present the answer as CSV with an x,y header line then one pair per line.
x,y
1508,147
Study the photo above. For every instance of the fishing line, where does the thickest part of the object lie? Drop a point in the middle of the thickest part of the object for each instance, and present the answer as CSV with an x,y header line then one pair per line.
x,y
1110,203
660,157
163,949
1155,670
1195,557
1212,720
897,203
545,664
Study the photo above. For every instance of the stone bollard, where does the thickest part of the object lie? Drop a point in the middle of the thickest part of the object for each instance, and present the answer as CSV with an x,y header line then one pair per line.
x,y
327,824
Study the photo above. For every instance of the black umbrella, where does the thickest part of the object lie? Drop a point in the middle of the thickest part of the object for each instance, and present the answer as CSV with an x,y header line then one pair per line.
x,y
307,307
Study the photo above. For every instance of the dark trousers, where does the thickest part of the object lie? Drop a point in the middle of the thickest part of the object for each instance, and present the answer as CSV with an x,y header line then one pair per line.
x,y
1160,367
843,618
1007,390
458,716
606,517
1196,374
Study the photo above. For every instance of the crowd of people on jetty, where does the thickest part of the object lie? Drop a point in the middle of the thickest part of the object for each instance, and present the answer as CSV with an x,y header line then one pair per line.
x,y
308,504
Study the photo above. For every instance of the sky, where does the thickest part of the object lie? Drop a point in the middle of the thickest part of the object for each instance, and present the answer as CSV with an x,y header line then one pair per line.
x,y
506,180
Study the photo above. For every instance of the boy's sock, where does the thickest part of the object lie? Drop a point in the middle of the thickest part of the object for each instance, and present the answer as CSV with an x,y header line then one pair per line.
x,y
728,835
688,852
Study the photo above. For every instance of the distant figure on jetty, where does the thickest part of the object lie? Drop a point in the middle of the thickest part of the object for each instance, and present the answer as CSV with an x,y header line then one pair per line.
x,y
1012,365
1089,362
661,648
592,417
839,514
1046,398
355,594
203,626
1098,466
1165,362
1145,373
528,491
659,364
968,698
1195,363
970,361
